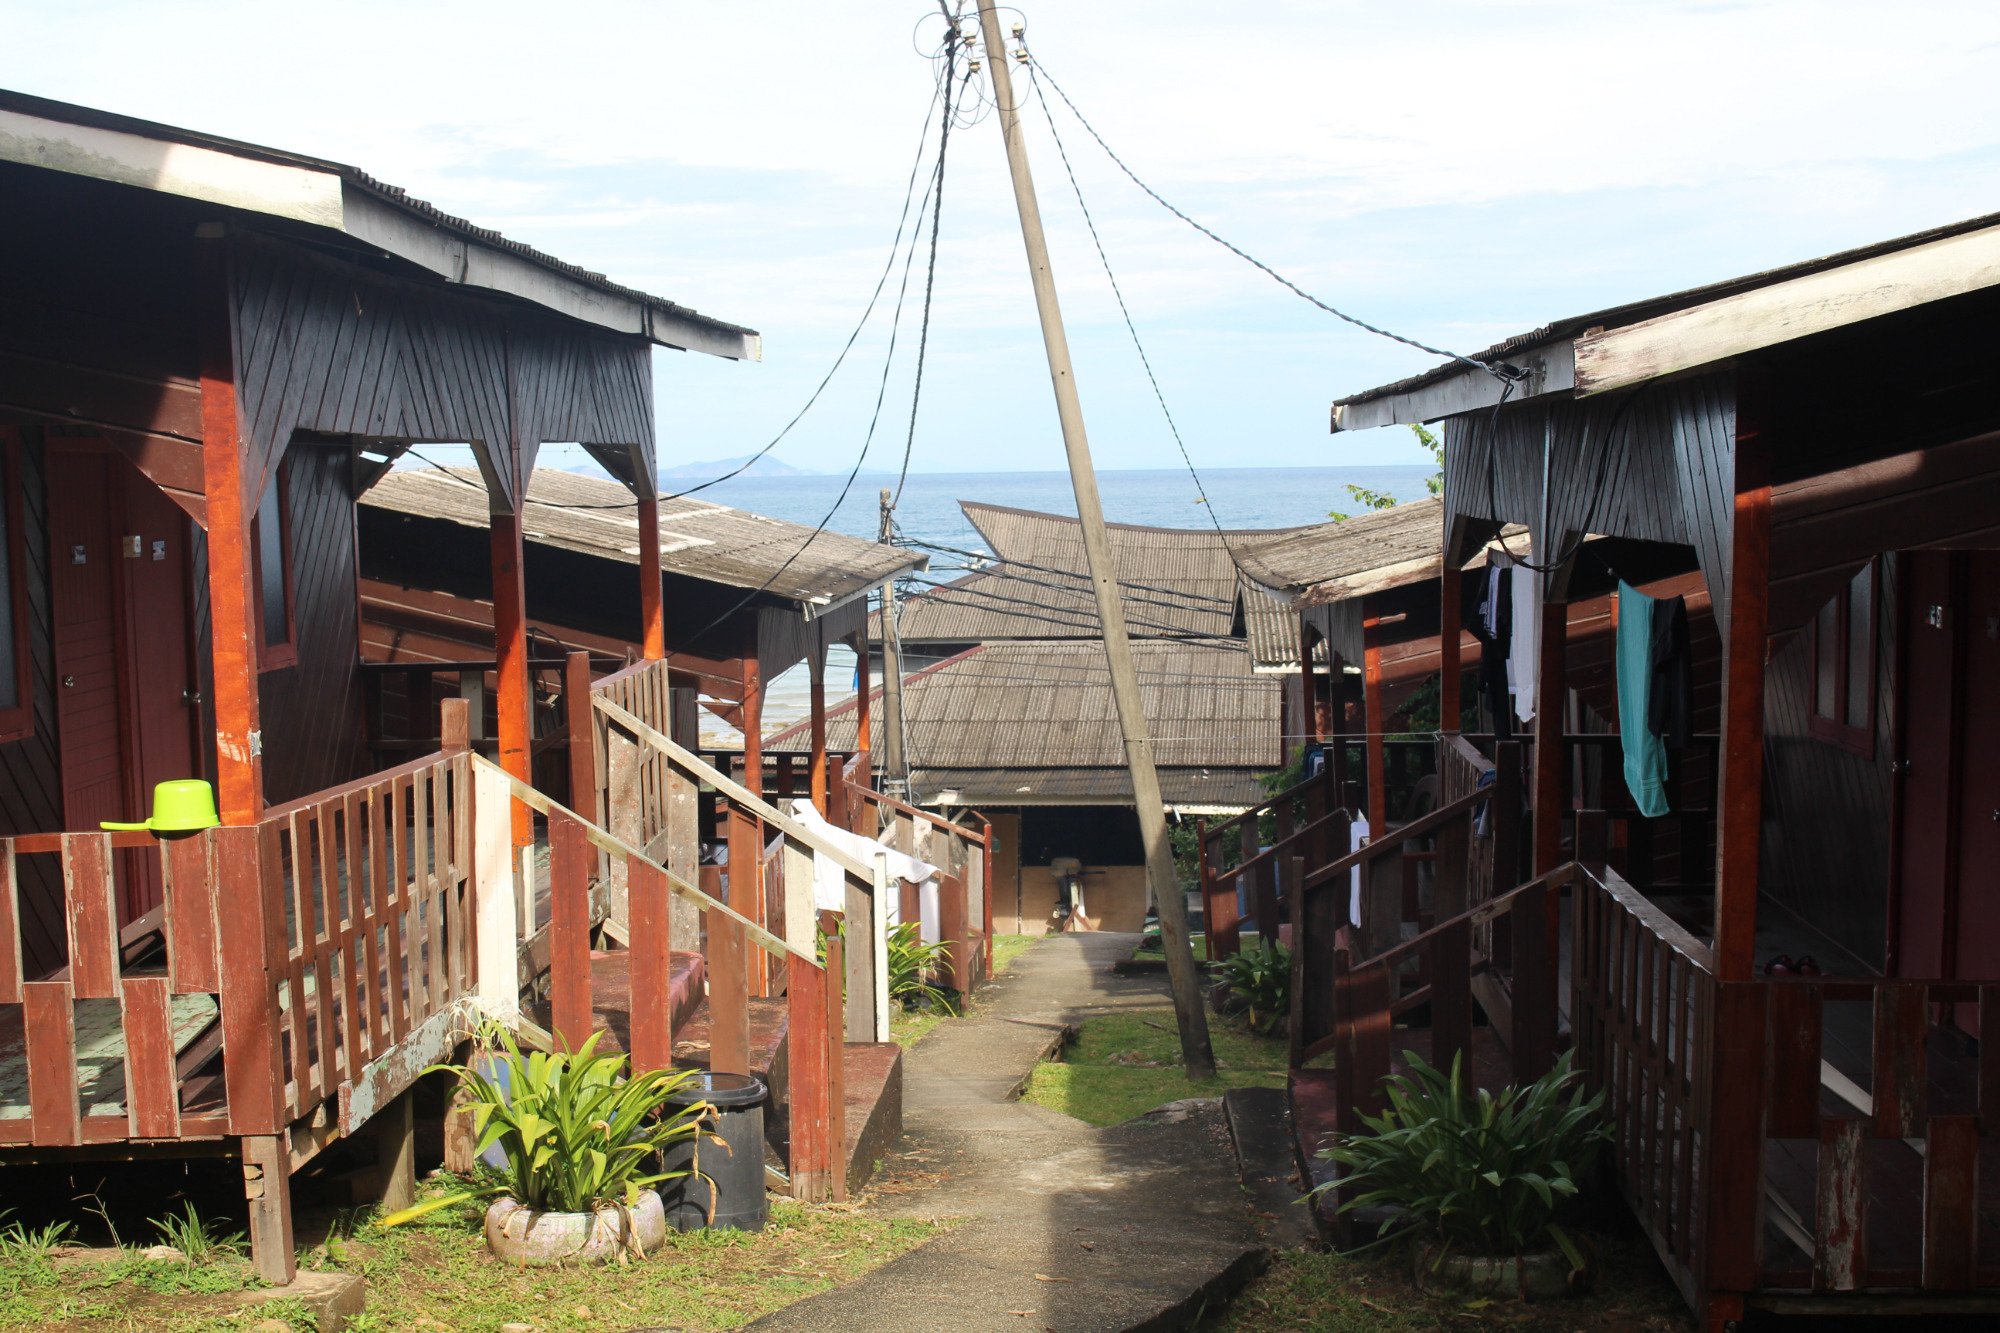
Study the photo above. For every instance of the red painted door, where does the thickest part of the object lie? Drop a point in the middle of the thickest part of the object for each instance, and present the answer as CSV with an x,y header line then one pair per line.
x,y
1976,941
119,570
1927,757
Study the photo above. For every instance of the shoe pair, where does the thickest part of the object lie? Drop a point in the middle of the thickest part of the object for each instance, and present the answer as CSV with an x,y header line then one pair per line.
x,y
1783,966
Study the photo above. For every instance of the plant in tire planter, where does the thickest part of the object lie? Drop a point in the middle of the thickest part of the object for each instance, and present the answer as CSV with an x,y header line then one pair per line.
x,y
580,1140
1479,1177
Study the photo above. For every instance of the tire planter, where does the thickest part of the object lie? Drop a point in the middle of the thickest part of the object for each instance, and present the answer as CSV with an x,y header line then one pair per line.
x,y
530,1236
1542,1276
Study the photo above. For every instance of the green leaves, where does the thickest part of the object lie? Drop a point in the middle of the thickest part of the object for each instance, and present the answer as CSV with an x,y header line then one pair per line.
x,y
575,1131
1262,980
1478,1169
911,962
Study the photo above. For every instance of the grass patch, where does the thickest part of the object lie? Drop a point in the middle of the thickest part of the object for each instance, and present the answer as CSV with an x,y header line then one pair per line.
x,y
907,1027
1123,1065
436,1275
1006,948
1199,943
1324,1293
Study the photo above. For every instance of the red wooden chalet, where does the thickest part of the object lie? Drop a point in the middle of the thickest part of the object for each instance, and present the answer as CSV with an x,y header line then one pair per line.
x,y
208,351
1811,456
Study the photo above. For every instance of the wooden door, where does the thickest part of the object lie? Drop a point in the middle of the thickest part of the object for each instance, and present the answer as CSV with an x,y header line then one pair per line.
x,y
1976,939
1927,756
119,588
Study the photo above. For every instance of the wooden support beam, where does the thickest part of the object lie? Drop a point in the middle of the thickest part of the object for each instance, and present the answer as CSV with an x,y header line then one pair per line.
x,y
816,667
1739,800
514,723
652,612
582,719
1551,691
1376,723
1451,673
267,1186
864,709
239,739
1308,719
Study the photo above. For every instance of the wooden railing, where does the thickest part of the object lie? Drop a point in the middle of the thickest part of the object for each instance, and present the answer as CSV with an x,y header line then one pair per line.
x,y
1643,1017
964,854
403,704
1237,870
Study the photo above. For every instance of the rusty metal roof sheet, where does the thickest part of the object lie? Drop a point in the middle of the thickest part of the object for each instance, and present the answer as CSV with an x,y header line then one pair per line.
x,y
697,539
1191,789
1048,705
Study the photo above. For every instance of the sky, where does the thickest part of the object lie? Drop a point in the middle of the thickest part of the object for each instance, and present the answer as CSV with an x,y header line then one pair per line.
x,y
1456,172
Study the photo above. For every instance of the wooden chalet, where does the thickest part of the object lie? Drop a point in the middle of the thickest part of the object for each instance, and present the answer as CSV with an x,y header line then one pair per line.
x,y
208,352
1815,453
1025,732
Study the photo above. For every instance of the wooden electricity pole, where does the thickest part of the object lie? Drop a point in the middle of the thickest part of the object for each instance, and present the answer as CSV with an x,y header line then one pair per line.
x,y
895,777
1167,896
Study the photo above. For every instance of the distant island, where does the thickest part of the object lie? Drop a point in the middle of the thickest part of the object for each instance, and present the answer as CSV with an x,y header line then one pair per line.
x,y
767,466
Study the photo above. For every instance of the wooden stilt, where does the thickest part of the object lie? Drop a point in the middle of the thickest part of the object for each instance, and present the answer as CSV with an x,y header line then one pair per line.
x,y
514,723
396,1154
652,613
267,1186
1308,719
864,709
1451,673
232,503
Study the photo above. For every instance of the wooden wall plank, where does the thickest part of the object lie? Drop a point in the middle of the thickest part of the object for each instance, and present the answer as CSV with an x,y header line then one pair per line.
x,y
1840,1249
193,961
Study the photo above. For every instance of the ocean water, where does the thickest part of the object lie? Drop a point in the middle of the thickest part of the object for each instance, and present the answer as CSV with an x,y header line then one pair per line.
x,y
929,512
1238,497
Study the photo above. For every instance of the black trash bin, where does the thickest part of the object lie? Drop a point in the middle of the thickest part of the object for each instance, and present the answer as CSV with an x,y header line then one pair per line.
x,y
734,1167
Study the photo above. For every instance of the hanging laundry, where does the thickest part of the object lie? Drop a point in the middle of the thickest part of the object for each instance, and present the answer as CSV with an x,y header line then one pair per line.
x,y
1524,658
1645,755
1670,709
1493,627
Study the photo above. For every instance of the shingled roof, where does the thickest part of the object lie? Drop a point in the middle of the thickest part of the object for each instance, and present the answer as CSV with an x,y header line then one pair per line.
x,y
1368,553
1002,717
697,539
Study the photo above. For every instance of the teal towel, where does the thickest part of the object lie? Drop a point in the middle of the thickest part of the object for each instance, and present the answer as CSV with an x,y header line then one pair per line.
x,y
1645,754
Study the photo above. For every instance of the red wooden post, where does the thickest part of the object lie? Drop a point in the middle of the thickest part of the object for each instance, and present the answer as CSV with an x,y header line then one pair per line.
x,y
816,668
230,486
954,930
569,932
652,1040
832,977
1451,674
251,945
582,736
514,723
1308,710
728,995
652,614
864,708
812,1162
1551,688
152,1094
1376,721
1739,799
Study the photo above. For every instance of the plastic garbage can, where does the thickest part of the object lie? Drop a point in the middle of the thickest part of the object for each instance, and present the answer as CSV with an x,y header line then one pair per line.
x,y
734,1167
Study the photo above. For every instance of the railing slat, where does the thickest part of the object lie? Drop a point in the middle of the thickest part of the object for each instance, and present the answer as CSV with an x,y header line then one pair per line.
x,y
152,1095
1840,1245
728,996
1795,1026
11,958
1951,1203
252,1063
652,961
92,916
1902,1020
569,934
48,1015
192,961
808,1090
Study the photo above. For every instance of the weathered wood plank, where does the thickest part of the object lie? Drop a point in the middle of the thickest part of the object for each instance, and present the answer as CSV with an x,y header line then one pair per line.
x,y
813,1153
1795,1010
152,1093
570,859
1902,1020
92,915
1951,1203
192,947
48,1017
1840,1242
12,960
252,1066
652,1037
728,996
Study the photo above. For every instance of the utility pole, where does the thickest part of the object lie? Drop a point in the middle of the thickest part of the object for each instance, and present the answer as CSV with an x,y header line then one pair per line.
x,y
895,777
1167,897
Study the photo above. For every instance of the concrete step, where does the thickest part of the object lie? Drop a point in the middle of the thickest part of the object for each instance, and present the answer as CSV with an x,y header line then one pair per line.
x,y
1260,1127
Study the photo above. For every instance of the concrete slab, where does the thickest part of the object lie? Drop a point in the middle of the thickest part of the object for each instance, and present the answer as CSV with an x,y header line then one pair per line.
x,y
1261,1129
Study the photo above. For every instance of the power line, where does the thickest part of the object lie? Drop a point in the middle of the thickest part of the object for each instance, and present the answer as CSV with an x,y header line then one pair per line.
x,y
1498,369
917,543
951,44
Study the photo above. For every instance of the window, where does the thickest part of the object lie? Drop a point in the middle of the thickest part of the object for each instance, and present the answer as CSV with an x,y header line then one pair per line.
x,y
271,559
17,703
1843,661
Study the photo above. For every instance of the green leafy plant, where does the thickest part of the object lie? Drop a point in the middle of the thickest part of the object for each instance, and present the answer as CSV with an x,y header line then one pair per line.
x,y
199,1240
1478,1171
576,1133
1432,444
22,1243
1261,980
911,962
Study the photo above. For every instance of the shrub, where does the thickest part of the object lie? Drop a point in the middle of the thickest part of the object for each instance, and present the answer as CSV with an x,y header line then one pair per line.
x,y
911,961
576,1133
1484,1173
1261,980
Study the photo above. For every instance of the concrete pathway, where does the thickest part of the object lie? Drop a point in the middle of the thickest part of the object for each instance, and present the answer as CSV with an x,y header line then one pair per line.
x,y
1062,1226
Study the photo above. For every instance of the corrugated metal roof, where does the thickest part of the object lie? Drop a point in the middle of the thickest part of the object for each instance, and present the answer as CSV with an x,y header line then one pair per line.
x,y
1048,705
1635,311
1368,553
1179,582
430,215
697,539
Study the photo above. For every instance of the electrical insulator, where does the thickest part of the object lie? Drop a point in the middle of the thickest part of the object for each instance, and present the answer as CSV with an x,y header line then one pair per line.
x,y
1019,28
1021,55
972,67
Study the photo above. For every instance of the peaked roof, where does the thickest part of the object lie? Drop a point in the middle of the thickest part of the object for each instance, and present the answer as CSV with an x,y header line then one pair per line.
x,y
85,141
697,539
